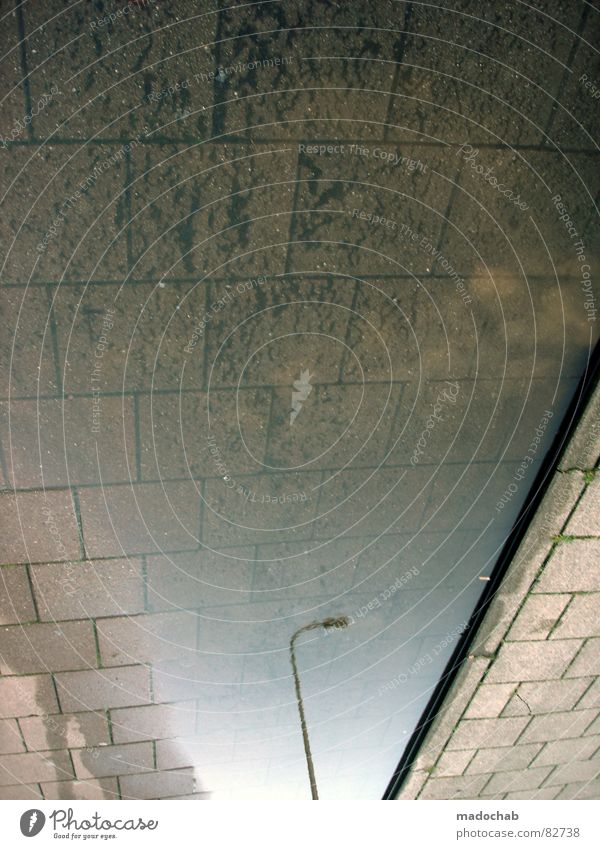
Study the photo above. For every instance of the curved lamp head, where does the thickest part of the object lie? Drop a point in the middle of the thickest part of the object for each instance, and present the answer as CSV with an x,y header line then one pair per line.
x,y
331,623
335,622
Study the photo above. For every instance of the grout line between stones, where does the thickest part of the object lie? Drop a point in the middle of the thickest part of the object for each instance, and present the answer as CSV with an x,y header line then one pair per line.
x,y
138,436
566,73
77,509
24,67
399,59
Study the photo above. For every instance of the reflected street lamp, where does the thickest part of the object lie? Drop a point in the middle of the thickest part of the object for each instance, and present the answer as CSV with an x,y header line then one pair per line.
x,y
328,624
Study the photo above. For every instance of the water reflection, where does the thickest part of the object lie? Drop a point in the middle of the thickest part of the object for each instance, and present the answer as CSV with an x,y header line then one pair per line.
x,y
282,358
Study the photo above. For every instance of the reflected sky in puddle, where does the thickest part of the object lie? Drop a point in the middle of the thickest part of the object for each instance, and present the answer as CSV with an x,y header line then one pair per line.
x,y
294,353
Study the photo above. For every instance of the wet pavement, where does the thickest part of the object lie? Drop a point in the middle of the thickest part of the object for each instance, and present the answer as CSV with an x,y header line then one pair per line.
x,y
295,296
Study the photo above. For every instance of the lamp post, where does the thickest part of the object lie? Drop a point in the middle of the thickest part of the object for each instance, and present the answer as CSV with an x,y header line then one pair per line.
x,y
329,623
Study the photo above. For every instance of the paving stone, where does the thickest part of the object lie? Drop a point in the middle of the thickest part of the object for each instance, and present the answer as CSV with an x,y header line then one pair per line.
x,y
528,779
413,785
495,796
303,89
553,726
586,519
511,437
16,602
260,509
478,733
594,728
113,760
129,86
582,619
38,527
144,518
192,796
158,785
212,234
312,305
371,249
546,697
204,578
79,193
491,700
13,120
573,121
35,766
466,681
174,432
65,731
351,505
531,661
145,347
564,751
180,753
519,232
30,696
575,771
176,682
153,722
591,699
503,759
481,107
91,788
452,763
587,661
538,793
355,563
478,424
10,737
21,791
459,787
62,442
583,451
26,352
538,616
100,689
90,589
573,567
549,521
346,425
444,517
46,647
580,790
147,638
